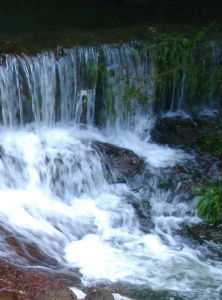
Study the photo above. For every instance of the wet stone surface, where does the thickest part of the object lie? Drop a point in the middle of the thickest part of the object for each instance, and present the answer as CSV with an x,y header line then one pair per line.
x,y
17,283
184,132
119,163
205,232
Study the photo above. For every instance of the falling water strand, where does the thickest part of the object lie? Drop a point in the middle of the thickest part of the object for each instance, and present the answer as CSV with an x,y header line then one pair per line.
x,y
54,86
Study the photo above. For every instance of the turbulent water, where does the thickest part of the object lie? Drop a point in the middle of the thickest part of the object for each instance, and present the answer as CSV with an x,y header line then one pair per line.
x,y
54,191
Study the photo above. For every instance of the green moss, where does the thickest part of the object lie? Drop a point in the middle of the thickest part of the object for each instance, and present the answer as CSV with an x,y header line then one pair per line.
x,y
210,205
212,144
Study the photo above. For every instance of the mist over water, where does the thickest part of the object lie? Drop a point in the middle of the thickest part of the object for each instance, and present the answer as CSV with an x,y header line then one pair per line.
x,y
54,190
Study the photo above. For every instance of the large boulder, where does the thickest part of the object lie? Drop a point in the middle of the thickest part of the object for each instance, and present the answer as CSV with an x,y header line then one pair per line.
x,y
120,163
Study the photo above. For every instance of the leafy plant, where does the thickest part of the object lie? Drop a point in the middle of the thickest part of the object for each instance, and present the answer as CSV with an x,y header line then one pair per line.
x,y
178,61
210,205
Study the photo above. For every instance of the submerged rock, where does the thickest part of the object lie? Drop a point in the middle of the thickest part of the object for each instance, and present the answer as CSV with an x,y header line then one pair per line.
x,y
28,250
119,163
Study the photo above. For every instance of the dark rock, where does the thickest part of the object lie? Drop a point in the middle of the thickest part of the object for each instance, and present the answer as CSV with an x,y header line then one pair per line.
x,y
187,189
28,250
61,294
119,163
186,133
175,131
215,170
205,232
60,52
141,203
99,294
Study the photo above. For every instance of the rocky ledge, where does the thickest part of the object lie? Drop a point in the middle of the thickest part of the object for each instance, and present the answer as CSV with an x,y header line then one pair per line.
x,y
120,164
188,133
17,283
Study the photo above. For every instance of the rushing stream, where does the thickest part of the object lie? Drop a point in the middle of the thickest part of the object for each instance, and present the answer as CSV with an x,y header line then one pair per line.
x,y
56,195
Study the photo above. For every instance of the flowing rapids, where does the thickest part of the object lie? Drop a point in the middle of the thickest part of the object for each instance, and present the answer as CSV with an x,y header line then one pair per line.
x,y
54,192
54,195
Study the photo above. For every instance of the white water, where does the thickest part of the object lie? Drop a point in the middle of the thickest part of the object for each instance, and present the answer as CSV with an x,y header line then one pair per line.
x,y
64,205
53,190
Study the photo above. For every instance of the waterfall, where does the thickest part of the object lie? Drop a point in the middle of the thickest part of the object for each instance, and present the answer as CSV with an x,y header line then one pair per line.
x,y
103,85
56,194
63,85
49,88
194,89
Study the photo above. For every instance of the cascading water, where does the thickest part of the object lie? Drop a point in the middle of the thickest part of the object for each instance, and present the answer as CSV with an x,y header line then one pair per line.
x,y
190,81
54,189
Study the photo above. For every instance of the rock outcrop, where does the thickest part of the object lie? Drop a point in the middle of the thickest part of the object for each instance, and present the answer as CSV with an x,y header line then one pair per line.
x,y
119,163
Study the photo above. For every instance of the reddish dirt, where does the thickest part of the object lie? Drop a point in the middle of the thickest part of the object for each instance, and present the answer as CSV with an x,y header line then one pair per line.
x,y
17,283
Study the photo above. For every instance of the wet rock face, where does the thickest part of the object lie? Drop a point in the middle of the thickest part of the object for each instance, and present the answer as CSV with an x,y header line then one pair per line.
x,y
17,283
119,163
176,132
185,132
99,294
205,232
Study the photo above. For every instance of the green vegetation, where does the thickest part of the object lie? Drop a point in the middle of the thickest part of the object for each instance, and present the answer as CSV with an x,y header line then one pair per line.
x,y
172,54
184,60
123,98
210,205
212,144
